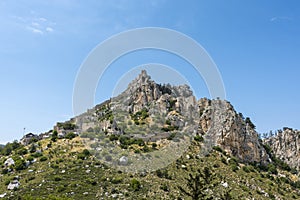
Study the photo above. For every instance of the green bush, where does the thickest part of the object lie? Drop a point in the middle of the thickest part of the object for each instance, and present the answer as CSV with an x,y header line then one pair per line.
x,y
4,171
117,180
6,182
164,187
54,136
81,156
57,178
91,182
272,169
70,135
154,145
20,164
86,152
198,138
219,149
32,148
223,160
113,137
135,185
54,166
246,169
37,154
43,158
22,151
30,158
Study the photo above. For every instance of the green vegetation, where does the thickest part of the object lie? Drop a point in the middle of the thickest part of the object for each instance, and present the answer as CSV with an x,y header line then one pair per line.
x,y
140,116
66,125
70,135
69,171
248,121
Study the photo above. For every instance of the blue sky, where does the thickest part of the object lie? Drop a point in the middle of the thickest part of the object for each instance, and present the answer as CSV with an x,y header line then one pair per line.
x,y
255,44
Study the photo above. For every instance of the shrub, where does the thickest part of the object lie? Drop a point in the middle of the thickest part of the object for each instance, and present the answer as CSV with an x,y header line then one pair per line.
x,y
164,187
113,137
30,158
137,151
4,171
49,145
81,156
246,169
54,136
20,164
154,145
6,182
234,168
224,160
135,185
272,169
54,166
43,158
91,182
70,135
219,149
57,178
37,154
249,122
117,180
198,138
32,148
86,152
22,151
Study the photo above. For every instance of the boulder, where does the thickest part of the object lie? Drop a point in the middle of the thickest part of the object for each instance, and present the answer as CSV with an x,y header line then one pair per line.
x,y
123,160
15,184
9,162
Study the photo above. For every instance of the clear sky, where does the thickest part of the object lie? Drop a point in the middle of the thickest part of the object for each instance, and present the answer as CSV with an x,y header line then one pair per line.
x,y
254,43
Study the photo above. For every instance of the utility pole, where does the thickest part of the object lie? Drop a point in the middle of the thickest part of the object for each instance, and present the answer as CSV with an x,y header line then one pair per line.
x,y
24,131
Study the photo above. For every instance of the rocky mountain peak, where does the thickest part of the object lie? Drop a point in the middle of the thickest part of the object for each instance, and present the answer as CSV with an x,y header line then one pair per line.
x,y
143,91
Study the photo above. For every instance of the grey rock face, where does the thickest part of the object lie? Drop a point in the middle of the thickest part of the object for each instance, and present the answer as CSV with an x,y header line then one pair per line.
x,y
286,146
222,126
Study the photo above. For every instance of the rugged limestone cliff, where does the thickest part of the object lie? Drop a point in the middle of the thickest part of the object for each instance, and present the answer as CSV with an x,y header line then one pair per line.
x,y
222,126
156,106
286,146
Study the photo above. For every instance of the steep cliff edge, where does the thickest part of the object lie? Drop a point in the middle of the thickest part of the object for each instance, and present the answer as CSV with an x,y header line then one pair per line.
x,y
222,126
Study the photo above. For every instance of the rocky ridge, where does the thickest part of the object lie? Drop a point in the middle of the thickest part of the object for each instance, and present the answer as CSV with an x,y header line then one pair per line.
x,y
218,123
286,146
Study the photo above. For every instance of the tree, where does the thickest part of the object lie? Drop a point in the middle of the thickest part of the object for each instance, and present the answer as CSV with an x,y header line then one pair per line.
x,y
197,184
54,136
249,122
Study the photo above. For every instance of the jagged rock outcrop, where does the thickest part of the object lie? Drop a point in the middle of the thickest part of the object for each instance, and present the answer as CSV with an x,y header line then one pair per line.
x,y
144,92
165,107
222,126
286,146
